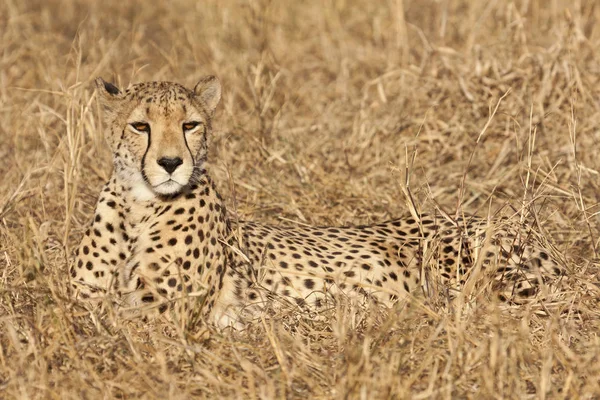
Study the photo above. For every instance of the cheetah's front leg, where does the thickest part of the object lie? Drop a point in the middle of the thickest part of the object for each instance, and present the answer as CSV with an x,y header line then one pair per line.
x,y
103,248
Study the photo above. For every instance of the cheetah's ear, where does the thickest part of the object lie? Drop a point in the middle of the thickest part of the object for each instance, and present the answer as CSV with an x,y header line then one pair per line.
x,y
107,92
208,90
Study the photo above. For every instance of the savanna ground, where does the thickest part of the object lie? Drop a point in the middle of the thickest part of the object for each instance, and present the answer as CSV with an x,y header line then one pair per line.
x,y
328,107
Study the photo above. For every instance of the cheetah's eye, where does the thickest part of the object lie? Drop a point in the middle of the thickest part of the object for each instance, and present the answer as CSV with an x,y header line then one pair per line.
x,y
191,126
141,127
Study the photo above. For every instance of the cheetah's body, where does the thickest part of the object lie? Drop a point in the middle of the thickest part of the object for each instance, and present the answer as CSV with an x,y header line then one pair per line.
x,y
160,235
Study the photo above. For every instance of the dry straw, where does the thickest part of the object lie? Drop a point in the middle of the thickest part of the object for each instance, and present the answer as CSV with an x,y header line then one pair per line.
x,y
335,112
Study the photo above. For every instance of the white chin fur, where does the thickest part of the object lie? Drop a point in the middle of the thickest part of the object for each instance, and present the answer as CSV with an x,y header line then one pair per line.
x,y
167,188
142,191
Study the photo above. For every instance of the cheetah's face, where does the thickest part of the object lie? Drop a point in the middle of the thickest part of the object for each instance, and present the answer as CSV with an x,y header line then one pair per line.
x,y
158,132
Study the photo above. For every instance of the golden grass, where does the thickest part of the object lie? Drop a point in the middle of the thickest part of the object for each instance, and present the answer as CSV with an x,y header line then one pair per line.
x,y
329,109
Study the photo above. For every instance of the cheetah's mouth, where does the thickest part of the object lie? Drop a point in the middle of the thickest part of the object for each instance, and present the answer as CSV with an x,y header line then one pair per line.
x,y
168,187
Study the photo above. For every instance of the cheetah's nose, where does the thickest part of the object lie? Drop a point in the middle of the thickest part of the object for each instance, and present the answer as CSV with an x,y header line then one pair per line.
x,y
170,164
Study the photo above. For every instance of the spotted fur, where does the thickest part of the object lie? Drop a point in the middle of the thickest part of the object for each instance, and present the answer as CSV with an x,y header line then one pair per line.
x,y
160,235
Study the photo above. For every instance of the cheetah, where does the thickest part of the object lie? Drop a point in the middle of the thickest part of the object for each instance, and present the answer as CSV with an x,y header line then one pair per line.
x,y
161,239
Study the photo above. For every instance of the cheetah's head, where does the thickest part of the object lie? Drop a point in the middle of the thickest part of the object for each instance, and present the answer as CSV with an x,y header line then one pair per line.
x,y
158,132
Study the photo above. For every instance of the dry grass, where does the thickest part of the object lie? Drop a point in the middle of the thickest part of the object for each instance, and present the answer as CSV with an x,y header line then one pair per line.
x,y
326,104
